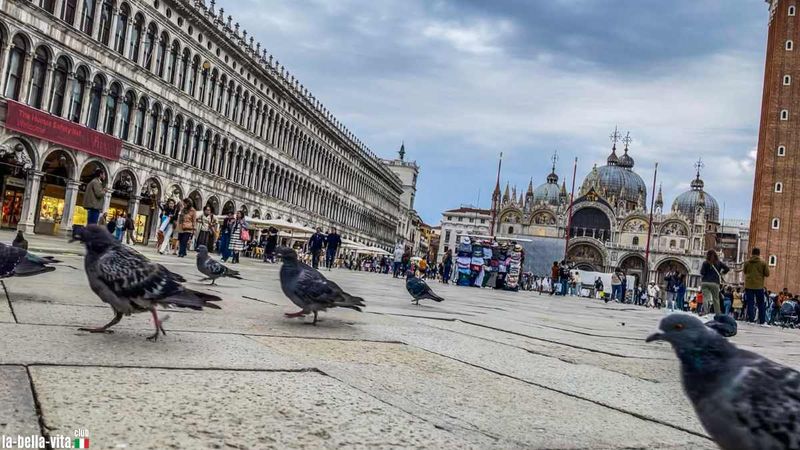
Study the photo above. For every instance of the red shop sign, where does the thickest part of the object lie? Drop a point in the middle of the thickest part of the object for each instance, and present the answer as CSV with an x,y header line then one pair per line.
x,y
39,124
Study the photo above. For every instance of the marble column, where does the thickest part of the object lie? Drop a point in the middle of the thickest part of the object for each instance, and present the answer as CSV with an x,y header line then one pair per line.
x,y
26,78
30,202
70,198
107,199
87,99
48,81
101,117
145,125
112,38
64,112
133,207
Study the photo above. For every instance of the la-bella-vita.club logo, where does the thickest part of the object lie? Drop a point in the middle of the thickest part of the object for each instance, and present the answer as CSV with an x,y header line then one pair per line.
x,y
79,440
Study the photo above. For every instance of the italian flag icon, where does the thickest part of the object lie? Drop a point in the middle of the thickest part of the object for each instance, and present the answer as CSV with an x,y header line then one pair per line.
x,y
80,443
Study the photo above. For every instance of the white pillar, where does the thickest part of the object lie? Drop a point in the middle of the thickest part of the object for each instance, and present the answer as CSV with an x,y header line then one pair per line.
x,y
107,200
87,94
30,202
70,198
26,78
101,118
48,80
67,95
133,207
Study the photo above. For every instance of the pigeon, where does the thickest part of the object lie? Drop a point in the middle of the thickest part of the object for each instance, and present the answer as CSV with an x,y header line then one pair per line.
x,y
20,241
130,283
17,262
744,401
724,325
211,268
419,289
309,290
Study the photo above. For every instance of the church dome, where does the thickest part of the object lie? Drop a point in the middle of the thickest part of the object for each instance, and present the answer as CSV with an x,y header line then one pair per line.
x,y
616,180
547,193
625,160
688,202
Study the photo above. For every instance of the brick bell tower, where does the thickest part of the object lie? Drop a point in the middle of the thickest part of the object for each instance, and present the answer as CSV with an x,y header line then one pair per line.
x,y
775,219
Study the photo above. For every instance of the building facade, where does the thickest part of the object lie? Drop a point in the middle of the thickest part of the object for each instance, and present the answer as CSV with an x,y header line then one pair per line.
x,y
609,222
775,217
408,227
171,99
463,221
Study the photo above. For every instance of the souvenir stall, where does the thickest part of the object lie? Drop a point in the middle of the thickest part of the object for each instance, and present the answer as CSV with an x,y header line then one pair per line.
x,y
486,261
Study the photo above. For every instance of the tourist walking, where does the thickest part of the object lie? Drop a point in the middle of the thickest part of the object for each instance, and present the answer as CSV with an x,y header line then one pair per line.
x,y
653,292
680,293
169,217
206,229
616,285
271,244
333,241
94,197
186,226
225,237
130,227
119,226
447,266
755,271
315,244
738,304
398,260
554,273
670,280
711,279
240,235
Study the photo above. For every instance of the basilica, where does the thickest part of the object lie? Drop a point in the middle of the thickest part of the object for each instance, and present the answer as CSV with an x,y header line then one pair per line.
x,y
609,219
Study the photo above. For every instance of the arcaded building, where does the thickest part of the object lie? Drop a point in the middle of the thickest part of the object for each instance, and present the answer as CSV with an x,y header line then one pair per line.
x,y
776,193
171,99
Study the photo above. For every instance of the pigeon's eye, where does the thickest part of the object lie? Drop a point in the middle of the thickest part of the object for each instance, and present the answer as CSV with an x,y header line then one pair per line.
x,y
678,326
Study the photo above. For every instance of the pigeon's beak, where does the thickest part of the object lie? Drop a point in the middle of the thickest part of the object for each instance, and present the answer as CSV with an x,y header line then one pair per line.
x,y
657,336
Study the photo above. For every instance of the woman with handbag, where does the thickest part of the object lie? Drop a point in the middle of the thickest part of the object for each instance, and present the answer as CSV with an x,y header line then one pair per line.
x,y
186,226
240,235
711,280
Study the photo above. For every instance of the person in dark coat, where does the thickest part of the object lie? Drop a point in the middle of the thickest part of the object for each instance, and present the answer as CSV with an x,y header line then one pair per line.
x,y
271,244
315,244
334,241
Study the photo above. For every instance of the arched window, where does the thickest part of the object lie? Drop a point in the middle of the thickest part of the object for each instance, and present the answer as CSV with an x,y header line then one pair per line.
x,y
121,33
151,126
776,223
236,101
223,81
125,114
188,130
635,241
76,94
172,63
87,21
510,230
792,10
136,34
16,63
787,80
161,53
184,70
166,128
48,5
59,86
105,21
68,11
94,101
779,187
212,88
40,60
138,121
789,45
204,149
203,85
773,260
231,91
149,44
198,138
781,150
193,74
112,103
176,134
784,114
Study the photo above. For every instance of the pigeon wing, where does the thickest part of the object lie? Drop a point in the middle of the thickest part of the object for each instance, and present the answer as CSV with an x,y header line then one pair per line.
x,y
417,287
215,268
766,399
10,257
131,275
312,287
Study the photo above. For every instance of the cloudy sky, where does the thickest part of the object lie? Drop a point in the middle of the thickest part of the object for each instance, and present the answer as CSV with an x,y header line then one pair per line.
x,y
462,80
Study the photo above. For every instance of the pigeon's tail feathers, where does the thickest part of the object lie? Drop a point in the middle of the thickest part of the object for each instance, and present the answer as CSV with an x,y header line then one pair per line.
x,y
234,274
193,300
435,297
33,265
351,302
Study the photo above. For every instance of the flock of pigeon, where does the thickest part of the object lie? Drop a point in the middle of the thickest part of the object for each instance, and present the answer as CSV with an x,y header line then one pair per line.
x,y
744,401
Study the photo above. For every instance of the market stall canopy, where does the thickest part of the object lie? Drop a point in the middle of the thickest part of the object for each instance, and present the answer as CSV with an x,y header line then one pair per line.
x,y
281,224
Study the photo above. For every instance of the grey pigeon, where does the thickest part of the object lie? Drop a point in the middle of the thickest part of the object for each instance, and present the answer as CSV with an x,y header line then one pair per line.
x,y
419,289
744,401
130,283
211,268
309,290
724,325
17,262
20,241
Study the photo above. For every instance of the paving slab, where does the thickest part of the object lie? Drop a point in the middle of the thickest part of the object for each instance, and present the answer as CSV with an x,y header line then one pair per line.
x,y
17,408
180,409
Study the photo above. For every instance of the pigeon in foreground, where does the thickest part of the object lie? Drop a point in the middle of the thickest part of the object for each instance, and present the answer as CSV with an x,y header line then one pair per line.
x,y
20,241
419,289
724,325
130,283
211,268
309,290
744,401
17,262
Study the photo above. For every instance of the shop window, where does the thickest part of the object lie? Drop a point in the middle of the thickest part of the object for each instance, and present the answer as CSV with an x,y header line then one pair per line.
x,y
781,150
16,63
59,86
87,21
773,260
122,29
776,223
38,73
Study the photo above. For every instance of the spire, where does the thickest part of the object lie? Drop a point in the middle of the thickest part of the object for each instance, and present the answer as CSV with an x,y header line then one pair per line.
x,y
625,160
697,183
563,188
530,187
613,160
402,151
659,198
553,178
506,195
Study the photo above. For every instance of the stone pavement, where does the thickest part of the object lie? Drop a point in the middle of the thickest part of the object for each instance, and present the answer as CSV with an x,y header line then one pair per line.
x,y
483,370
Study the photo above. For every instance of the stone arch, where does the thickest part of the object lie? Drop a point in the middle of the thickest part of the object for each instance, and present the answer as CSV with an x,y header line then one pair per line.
x,y
229,207
175,192
125,184
593,222
585,254
88,168
196,198
668,263
256,213
245,211
19,151
213,202
61,163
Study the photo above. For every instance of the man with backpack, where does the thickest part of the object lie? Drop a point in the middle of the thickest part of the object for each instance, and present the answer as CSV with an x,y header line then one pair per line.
x,y
130,239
